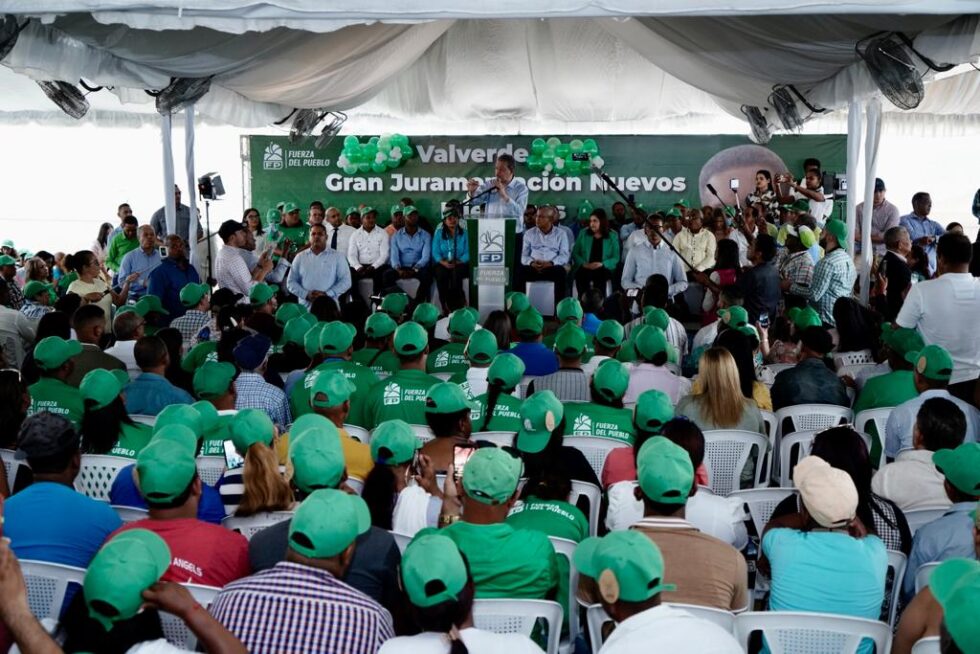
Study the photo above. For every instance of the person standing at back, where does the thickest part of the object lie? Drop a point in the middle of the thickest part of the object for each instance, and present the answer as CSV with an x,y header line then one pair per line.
x,y
834,275
923,230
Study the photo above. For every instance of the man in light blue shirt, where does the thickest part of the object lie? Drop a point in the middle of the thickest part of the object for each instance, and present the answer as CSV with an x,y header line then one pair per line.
x,y
508,197
653,257
923,231
151,392
318,270
410,255
545,253
142,260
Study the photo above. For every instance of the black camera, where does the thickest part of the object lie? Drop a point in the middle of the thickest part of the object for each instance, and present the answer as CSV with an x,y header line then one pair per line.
x,y
210,186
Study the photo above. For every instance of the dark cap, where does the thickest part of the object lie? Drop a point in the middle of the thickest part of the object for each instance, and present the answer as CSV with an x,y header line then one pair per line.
x,y
251,351
879,185
228,228
46,434
225,297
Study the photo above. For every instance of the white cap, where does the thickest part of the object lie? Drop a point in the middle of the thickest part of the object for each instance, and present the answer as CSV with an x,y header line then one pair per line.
x,y
828,494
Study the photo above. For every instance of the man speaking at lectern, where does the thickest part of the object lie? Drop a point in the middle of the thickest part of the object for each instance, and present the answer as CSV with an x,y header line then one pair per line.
x,y
504,196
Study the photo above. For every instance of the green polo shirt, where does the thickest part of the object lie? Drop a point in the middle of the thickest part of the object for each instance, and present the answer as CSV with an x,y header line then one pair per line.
x,y
448,358
298,235
507,562
54,395
385,363
363,379
886,391
132,439
590,419
119,247
400,396
506,414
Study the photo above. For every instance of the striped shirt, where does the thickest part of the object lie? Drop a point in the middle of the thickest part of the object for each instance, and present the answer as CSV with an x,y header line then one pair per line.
x,y
568,384
302,610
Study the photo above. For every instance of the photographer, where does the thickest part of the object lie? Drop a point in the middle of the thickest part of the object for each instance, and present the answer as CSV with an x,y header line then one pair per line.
x,y
811,189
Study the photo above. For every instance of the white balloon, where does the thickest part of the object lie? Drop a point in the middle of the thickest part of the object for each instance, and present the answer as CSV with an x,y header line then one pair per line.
x,y
396,152
549,167
598,162
559,163
380,157
342,161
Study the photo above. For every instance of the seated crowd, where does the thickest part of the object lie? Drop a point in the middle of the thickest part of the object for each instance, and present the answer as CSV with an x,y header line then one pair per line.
x,y
348,472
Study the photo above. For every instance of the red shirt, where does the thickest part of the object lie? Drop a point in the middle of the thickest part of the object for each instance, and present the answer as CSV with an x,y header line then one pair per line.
x,y
621,466
202,553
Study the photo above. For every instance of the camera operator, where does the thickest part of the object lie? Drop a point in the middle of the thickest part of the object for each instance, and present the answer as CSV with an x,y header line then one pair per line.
x,y
811,190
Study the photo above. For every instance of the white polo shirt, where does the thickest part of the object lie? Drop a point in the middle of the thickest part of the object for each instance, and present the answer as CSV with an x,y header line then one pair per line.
x,y
912,481
667,629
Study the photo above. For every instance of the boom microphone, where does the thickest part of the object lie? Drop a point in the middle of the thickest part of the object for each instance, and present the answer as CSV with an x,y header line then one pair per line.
x,y
711,189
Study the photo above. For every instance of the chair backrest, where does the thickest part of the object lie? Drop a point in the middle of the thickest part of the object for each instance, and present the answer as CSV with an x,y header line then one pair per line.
x,y
251,525
498,438
401,540
130,513
920,517
227,412
524,383
792,449
769,419
722,618
594,495
47,584
10,465
854,358
853,370
519,616
566,548
356,485
928,645
596,617
762,502
96,474
923,574
792,631
210,469
872,422
358,433
896,573
595,449
423,433
174,630
141,419
726,453
443,376
811,417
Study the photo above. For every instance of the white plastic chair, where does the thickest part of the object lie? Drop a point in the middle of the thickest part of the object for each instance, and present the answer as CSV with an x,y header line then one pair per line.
x,y
401,540
251,525
762,503
596,617
566,548
809,417
498,438
518,616
524,383
928,645
409,286
854,358
442,376
923,574
96,474
726,453
896,565
47,584
594,495
541,296
10,466
210,469
920,517
141,419
357,485
174,630
227,412
853,370
358,433
792,449
130,513
423,433
595,449
876,418
769,419
797,632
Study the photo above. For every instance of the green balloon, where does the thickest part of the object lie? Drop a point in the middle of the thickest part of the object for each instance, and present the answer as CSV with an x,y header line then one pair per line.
x,y
590,146
538,145
378,167
374,140
370,151
563,151
573,167
364,166
535,166
576,145
350,170
553,142
548,156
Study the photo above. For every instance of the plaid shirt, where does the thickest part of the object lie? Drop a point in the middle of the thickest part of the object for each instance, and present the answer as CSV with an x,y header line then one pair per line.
x,y
798,268
301,610
190,324
833,278
254,392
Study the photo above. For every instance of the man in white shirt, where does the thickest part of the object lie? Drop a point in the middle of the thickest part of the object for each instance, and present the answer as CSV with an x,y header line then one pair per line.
x,y
884,216
338,234
128,328
651,257
232,271
946,311
318,270
367,252
913,481
696,244
508,196
544,254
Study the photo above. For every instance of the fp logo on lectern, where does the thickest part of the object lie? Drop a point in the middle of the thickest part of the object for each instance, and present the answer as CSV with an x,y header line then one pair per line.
x,y
491,247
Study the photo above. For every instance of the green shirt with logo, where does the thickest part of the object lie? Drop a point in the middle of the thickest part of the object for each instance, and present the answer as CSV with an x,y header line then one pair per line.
x,y
591,419
886,391
54,395
214,438
384,363
298,236
506,413
400,396
363,379
448,358
132,439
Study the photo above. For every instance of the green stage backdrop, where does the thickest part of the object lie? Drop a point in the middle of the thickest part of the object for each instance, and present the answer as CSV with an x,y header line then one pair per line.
x,y
657,170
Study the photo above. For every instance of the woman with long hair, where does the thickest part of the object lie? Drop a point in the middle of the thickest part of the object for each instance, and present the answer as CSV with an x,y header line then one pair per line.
x,y
725,273
91,286
718,402
763,193
258,486
595,254
498,409
450,254
253,223
100,246
106,426
498,323
742,348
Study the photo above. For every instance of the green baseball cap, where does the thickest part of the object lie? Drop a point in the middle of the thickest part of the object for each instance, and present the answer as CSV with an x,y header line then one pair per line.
x,y
961,467
653,410
366,210
649,341
656,317
380,325
610,380
932,362
311,339
540,416
192,293
132,308
289,310
207,411
433,570
331,388
569,309
317,458
515,302
53,351
398,439
213,379
295,330
395,304
803,318
627,566
261,293
800,206
610,334
290,207
507,369
273,215
34,287
734,316
410,339
425,314
327,522
955,584
337,337
150,304
570,341
447,397
491,475
7,260
409,210
199,355
397,208
901,340
664,471
100,387
183,415
461,324
839,229
529,322
251,426
481,347
673,212
351,211
120,571
165,470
